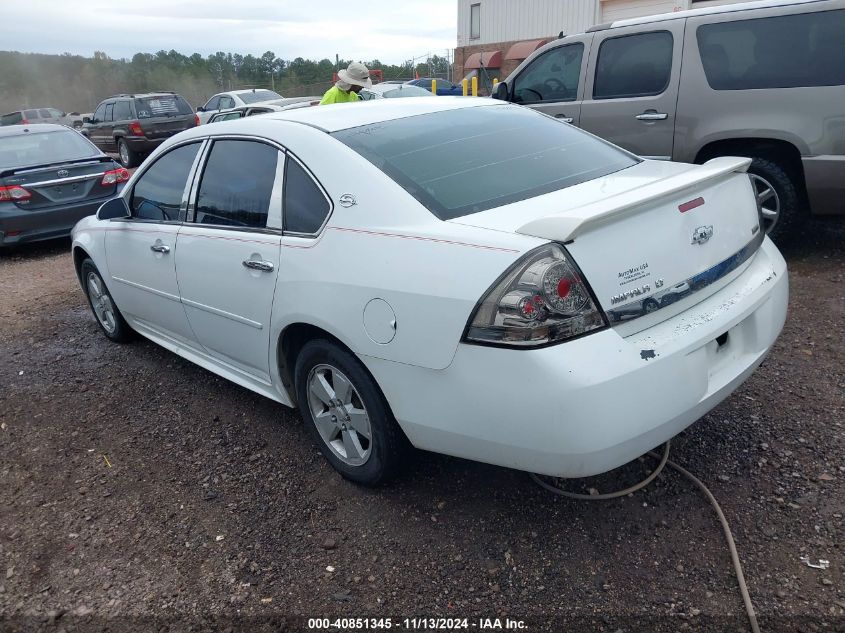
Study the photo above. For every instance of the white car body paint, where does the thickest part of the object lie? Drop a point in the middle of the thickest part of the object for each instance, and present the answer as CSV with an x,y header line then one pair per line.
x,y
572,409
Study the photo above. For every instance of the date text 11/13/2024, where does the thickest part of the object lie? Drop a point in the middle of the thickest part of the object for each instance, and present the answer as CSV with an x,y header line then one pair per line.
x,y
416,624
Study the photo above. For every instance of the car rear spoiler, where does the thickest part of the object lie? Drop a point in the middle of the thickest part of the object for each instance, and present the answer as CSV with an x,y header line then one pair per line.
x,y
568,225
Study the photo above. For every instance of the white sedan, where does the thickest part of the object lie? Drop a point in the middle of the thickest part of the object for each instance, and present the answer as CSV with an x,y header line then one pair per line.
x,y
445,273
235,99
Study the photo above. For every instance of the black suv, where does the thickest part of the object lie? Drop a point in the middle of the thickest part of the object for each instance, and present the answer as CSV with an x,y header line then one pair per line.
x,y
134,125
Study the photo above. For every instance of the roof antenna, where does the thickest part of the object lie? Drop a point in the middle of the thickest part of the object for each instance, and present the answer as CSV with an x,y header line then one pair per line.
x,y
561,35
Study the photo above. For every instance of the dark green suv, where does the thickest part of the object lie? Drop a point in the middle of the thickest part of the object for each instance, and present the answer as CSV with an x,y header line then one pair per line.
x,y
134,125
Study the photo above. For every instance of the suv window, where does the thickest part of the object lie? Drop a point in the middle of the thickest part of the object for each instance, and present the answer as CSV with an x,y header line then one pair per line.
x,y
237,184
44,113
122,111
305,205
158,193
109,112
30,114
553,76
11,119
161,105
633,65
787,51
100,114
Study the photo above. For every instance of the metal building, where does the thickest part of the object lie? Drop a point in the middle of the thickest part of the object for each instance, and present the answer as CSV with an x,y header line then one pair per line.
x,y
498,34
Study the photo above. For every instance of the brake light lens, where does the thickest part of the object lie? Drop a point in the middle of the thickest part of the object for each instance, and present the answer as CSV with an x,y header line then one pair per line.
x,y
541,300
15,193
135,129
24,121
196,120
115,176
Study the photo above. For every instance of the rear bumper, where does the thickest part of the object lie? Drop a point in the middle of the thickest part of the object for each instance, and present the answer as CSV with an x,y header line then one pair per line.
x,y
595,403
825,178
142,144
20,225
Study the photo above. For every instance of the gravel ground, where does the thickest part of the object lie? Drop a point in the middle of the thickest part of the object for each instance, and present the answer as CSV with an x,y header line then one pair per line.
x,y
140,492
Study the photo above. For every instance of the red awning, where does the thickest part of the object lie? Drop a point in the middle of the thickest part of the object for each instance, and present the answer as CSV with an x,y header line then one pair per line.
x,y
490,59
521,50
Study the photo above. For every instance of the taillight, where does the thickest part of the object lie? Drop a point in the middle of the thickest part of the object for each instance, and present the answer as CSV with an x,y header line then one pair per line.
x,y
135,129
196,120
15,193
541,300
24,121
115,176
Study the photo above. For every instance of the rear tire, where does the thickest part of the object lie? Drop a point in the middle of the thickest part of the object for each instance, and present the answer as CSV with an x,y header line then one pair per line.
x,y
128,157
105,310
342,404
782,204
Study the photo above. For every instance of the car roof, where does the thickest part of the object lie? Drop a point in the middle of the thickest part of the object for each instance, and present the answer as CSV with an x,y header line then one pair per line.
x,y
18,130
342,116
690,13
246,91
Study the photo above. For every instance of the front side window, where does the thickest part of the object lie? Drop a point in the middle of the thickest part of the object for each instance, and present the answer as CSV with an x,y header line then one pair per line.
x,y
633,66
553,76
213,103
305,206
475,21
458,162
100,114
55,113
158,193
237,184
789,51
122,111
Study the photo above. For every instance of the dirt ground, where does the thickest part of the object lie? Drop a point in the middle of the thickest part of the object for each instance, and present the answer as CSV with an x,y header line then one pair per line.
x,y
140,492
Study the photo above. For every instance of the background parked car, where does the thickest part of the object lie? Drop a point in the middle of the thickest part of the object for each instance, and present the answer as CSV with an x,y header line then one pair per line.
x,y
444,87
391,91
235,99
50,178
239,113
750,79
32,116
134,125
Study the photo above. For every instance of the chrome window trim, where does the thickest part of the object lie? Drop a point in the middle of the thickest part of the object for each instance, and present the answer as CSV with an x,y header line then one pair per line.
x,y
700,281
61,181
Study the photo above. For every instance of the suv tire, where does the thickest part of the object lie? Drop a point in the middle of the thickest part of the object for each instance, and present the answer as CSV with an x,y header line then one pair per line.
x,y
128,157
786,197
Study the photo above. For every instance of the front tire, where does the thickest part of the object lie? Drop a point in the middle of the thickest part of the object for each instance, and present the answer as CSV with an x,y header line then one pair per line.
x,y
347,415
109,318
128,157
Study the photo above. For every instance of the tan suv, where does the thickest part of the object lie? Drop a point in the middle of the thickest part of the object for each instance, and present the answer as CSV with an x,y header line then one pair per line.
x,y
758,79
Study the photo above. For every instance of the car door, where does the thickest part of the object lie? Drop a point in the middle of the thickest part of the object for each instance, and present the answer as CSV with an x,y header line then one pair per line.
x,y
209,109
632,83
227,258
141,250
107,129
553,83
94,127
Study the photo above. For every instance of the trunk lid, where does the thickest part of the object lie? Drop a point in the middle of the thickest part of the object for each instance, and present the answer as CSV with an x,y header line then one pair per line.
x,y
61,183
648,236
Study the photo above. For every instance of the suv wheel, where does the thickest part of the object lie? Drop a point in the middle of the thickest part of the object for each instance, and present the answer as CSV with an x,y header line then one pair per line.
x,y
778,197
128,157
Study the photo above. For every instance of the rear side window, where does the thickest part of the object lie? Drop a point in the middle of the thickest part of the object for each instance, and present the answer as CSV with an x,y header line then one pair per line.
x,y
462,161
789,51
11,119
553,76
30,114
122,111
237,184
162,105
305,206
633,66
158,193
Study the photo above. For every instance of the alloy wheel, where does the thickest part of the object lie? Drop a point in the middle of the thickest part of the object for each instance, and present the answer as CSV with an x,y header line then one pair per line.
x,y
339,415
768,200
101,302
124,153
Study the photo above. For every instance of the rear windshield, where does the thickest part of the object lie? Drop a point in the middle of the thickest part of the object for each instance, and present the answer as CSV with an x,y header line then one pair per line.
x,y
259,95
163,105
43,148
11,119
459,162
406,91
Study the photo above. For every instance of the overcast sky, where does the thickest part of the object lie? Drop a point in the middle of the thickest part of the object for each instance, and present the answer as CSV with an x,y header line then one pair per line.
x,y
389,30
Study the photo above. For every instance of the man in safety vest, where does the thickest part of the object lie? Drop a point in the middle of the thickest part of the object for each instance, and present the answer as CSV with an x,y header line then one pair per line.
x,y
349,84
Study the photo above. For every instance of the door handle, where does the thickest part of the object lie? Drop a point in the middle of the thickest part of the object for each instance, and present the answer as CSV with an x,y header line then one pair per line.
x,y
652,115
160,248
565,119
257,264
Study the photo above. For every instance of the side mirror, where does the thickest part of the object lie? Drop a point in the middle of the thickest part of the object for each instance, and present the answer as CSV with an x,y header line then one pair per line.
x,y
200,109
86,119
114,208
501,92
